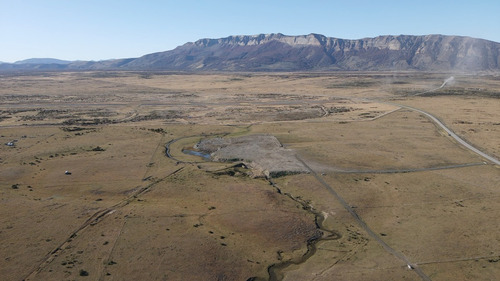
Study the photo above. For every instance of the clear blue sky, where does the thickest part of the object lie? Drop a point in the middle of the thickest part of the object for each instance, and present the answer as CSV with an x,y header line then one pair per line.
x,y
105,29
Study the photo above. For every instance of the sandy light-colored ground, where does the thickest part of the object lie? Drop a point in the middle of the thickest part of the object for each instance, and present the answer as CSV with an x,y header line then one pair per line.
x,y
129,212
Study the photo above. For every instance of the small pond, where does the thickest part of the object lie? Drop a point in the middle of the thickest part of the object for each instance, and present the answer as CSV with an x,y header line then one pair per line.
x,y
197,153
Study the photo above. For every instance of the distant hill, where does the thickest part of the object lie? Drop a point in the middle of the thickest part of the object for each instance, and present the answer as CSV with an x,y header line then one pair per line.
x,y
313,52
43,61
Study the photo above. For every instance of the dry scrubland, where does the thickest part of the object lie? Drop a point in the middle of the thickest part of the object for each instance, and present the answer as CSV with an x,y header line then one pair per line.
x,y
129,212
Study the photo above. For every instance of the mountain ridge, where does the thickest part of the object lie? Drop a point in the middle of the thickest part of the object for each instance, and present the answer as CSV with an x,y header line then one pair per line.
x,y
312,52
42,61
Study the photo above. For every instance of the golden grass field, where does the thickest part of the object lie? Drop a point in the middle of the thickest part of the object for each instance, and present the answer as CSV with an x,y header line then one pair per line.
x,y
129,212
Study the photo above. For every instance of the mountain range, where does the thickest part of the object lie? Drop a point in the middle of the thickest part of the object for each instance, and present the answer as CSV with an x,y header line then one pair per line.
x,y
313,52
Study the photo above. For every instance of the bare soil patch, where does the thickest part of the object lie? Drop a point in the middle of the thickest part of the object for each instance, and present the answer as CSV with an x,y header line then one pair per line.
x,y
264,154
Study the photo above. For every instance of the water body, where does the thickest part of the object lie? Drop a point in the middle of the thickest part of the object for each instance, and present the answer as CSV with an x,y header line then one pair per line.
x,y
206,156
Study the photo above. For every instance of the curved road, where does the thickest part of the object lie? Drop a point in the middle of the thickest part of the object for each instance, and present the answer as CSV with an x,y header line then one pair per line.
x,y
363,224
450,132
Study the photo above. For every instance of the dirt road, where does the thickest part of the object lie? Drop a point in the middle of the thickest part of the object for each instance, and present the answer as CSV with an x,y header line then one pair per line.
x,y
365,227
450,133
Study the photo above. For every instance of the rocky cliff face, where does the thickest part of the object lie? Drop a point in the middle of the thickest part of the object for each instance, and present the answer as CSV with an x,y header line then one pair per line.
x,y
278,52
244,53
431,52
317,52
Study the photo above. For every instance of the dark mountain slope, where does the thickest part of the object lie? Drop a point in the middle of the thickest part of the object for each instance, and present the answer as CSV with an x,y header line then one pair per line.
x,y
317,52
313,52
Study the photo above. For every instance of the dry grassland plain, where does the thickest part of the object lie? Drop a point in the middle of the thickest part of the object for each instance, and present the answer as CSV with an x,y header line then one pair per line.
x,y
94,184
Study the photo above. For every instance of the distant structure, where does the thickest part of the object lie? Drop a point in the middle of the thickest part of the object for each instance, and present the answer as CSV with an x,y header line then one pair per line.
x,y
11,143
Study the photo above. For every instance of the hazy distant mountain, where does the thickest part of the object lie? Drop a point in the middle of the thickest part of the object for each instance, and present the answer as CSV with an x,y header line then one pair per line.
x,y
42,61
114,64
314,52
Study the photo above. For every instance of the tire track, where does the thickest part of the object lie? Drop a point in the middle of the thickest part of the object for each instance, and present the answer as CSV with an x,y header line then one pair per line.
x,y
153,155
398,171
93,220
